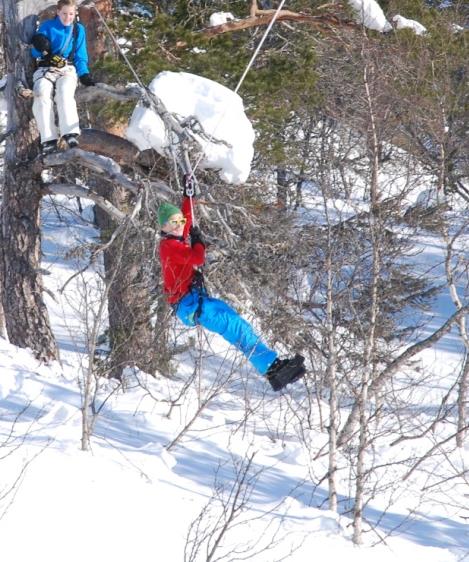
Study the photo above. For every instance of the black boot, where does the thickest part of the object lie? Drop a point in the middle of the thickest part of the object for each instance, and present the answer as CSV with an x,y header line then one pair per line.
x,y
285,371
48,147
71,140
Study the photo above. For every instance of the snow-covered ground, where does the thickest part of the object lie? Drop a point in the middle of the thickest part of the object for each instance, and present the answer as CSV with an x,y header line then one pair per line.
x,y
134,498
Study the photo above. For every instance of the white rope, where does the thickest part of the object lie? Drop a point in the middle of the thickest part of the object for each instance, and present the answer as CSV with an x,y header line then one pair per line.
x,y
121,52
259,47
192,169
241,80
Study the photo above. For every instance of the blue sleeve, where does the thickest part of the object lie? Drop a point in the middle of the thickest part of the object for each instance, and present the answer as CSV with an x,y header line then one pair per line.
x,y
81,53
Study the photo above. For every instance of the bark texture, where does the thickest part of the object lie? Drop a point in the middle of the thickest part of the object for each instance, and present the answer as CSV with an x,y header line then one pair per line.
x,y
26,317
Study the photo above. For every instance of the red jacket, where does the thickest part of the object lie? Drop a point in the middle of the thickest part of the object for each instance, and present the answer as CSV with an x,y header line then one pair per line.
x,y
178,259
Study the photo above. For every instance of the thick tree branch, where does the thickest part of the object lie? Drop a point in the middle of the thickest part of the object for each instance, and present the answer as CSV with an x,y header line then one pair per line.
x,y
323,22
72,190
104,91
94,162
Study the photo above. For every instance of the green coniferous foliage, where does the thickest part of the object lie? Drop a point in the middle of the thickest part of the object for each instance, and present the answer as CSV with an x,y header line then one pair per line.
x,y
431,88
281,83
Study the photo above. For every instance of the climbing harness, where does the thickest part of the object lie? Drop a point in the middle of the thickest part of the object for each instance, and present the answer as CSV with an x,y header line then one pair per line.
x,y
58,60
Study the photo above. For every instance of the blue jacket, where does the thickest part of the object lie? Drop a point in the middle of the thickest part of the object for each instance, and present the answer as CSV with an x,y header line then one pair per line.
x,y
57,34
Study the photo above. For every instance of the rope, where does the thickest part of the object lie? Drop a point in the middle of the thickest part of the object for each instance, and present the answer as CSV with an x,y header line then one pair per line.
x,y
121,52
185,164
245,73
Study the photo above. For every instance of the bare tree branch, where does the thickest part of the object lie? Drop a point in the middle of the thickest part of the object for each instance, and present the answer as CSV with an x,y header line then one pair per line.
x,y
410,352
73,190
94,162
324,22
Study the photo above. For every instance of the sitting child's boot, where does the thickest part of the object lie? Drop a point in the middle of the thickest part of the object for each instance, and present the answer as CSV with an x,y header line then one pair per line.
x,y
71,140
285,371
48,147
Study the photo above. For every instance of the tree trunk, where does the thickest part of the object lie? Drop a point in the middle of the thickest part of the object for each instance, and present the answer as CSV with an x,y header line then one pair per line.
x,y
26,317
130,330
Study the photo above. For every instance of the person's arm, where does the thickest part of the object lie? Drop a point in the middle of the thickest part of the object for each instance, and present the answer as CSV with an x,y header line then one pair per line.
x,y
80,59
39,40
186,211
181,254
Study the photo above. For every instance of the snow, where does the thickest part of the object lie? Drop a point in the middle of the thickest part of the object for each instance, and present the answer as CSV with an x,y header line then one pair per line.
x,y
133,498
135,9
404,23
219,18
370,14
455,28
3,112
3,122
220,112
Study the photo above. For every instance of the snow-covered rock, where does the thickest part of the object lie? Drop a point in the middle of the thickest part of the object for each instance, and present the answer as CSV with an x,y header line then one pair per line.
x,y
404,23
370,14
220,112
219,18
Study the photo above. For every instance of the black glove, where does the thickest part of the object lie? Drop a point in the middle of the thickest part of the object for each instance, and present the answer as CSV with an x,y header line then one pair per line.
x,y
42,44
197,280
86,80
196,236
189,186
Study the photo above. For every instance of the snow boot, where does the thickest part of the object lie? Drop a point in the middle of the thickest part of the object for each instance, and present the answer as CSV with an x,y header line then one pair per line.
x,y
285,371
71,140
48,147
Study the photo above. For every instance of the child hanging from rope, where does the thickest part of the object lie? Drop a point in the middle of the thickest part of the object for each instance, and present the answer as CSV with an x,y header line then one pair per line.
x,y
59,47
181,251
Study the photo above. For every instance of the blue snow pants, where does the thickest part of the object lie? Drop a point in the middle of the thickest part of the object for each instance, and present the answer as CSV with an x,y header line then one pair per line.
x,y
218,317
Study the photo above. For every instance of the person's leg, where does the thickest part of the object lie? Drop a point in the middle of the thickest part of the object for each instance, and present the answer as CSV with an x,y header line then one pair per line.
x,y
66,104
219,317
43,106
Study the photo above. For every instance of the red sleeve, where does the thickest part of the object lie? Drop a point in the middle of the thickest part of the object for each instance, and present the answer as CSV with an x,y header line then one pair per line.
x,y
186,211
185,255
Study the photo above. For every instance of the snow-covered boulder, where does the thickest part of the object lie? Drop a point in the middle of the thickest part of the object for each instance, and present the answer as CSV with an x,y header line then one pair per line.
x,y
404,23
219,110
219,18
370,14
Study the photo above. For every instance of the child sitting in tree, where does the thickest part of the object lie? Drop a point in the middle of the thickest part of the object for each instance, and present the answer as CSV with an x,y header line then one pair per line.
x,y
182,250
59,47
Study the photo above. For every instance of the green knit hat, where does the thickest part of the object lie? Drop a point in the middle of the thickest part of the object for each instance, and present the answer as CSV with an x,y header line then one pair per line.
x,y
166,211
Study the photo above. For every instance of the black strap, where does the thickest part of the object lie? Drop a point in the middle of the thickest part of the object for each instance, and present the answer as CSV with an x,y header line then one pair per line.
x,y
198,285
71,56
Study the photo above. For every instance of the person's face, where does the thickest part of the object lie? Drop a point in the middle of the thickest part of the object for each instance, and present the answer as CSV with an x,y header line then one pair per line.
x,y
67,14
175,225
